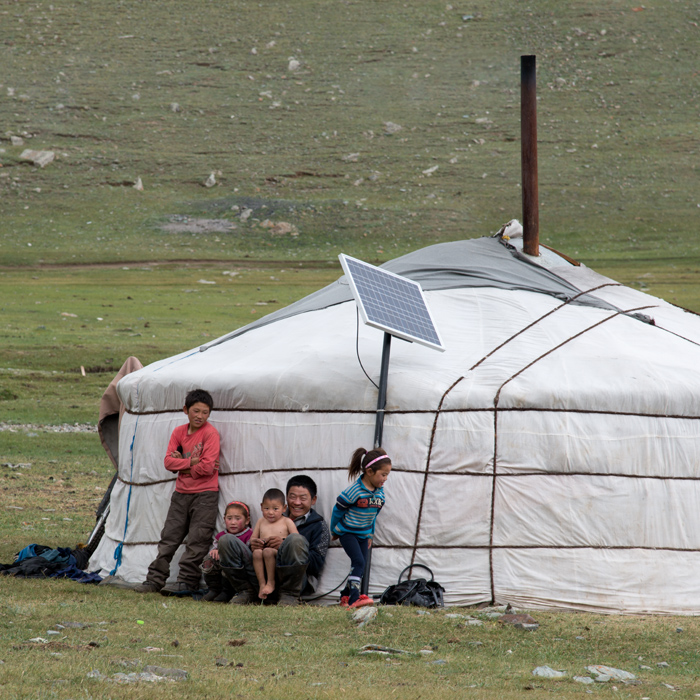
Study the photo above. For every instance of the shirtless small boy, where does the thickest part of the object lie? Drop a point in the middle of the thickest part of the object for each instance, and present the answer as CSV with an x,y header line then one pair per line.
x,y
272,524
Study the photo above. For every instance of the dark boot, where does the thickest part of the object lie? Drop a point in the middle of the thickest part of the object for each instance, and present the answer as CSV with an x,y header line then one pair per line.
x,y
291,579
214,583
245,593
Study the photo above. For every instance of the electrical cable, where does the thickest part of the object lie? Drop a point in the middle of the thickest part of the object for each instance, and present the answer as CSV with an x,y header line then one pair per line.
x,y
307,599
357,347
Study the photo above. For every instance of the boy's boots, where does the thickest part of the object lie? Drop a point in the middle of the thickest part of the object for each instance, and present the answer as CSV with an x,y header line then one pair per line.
x,y
214,584
245,593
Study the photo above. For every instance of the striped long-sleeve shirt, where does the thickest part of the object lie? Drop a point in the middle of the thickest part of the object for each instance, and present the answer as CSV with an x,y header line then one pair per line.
x,y
356,510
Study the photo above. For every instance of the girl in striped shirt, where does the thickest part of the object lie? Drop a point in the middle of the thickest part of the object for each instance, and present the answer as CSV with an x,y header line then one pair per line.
x,y
355,514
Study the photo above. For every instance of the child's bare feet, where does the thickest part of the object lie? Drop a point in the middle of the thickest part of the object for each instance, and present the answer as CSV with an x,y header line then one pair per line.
x,y
266,590
261,593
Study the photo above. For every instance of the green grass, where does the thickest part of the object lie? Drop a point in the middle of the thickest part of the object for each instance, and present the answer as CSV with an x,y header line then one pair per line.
x,y
314,653
617,117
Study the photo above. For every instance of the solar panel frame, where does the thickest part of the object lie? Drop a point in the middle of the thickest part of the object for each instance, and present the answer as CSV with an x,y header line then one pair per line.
x,y
391,303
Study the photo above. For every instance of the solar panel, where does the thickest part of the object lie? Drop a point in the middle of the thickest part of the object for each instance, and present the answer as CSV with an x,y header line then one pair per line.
x,y
391,303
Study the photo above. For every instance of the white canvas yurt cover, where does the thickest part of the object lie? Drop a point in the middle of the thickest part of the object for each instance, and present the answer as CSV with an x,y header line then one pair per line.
x,y
548,458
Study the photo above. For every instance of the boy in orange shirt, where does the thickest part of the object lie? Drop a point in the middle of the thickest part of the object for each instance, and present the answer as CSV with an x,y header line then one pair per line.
x,y
193,454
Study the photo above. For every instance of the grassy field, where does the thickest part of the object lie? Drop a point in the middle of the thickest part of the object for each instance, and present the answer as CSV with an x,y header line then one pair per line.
x,y
355,126
132,90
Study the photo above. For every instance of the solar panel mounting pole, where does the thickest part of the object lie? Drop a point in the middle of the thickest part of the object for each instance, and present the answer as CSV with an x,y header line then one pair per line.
x,y
381,398
378,431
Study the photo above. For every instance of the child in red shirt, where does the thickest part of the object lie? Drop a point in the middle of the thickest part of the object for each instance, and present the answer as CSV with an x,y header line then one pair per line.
x,y
193,454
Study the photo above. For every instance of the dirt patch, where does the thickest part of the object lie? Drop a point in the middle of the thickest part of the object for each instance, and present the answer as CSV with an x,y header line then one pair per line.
x,y
186,224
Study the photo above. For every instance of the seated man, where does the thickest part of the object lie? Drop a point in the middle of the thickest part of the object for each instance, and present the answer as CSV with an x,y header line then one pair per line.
x,y
300,557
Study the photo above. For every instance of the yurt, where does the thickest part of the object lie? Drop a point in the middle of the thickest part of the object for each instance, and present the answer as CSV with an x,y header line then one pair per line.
x,y
549,458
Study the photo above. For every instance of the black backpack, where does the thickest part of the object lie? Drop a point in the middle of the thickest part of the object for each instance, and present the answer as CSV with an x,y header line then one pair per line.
x,y
419,591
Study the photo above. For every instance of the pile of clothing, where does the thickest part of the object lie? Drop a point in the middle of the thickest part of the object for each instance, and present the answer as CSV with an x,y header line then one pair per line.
x,y
40,561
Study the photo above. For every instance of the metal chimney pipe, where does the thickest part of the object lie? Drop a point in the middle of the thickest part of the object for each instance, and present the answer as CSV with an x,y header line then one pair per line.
x,y
528,146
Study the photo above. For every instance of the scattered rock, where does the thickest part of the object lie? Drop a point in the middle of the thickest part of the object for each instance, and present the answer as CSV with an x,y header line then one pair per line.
x,y
586,680
430,171
351,157
473,623
175,107
363,616
16,140
379,649
40,158
124,678
612,673
548,672
392,128
39,640
521,621
293,65
177,674
280,228
223,662
138,185
662,664
246,214
211,180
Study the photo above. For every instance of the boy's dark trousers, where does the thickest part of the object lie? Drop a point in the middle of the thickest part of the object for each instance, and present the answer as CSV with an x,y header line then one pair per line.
x,y
191,515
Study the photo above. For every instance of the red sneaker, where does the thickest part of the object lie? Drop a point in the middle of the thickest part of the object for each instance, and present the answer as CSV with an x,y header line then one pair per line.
x,y
344,601
362,601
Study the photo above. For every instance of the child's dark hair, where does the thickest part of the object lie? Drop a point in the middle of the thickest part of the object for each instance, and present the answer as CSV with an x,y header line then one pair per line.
x,y
274,495
361,460
240,505
199,396
305,482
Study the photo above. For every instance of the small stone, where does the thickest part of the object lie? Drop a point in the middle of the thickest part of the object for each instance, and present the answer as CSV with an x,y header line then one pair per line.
x,y
548,672
175,107
246,214
614,673
211,180
40,158
177,674
662,664
392,128
223,662
293,65
16,140
586,680
138,185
